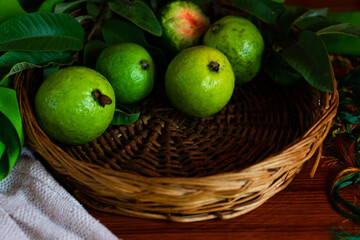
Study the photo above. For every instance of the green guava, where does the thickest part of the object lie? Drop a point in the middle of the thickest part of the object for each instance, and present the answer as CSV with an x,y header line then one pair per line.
x,y
75,105
241,42
183,25
199,81
130,70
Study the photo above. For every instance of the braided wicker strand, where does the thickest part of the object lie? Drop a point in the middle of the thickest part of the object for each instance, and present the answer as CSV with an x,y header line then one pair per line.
x,y
171,166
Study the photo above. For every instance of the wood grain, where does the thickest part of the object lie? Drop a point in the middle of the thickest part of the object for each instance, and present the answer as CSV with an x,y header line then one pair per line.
x,y
301,211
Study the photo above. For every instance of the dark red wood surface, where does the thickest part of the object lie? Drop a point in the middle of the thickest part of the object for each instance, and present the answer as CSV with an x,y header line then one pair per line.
x,y
301,211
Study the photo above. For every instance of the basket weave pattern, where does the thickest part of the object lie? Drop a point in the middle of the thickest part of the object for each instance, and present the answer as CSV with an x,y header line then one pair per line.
x,y
171,166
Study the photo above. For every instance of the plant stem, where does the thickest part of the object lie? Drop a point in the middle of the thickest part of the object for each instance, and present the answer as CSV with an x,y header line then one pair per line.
x,y
98,24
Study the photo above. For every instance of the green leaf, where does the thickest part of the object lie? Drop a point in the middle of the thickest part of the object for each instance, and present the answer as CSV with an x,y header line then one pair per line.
x,y
280,71
67,6
48,5
10,144
338,38
14,62
345,16
10,108
316,24
266,10
201,2
343,28
123,118
288,18
93,9
91,52
10,9
49,70
341,44
41,32
7,82
2,149
128,107
321,12
338,43
11,131
139,13
83,18
294,15
116,31
309,57
154,4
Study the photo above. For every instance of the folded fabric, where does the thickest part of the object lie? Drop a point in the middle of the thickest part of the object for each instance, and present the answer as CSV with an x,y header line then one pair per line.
x,y
34,206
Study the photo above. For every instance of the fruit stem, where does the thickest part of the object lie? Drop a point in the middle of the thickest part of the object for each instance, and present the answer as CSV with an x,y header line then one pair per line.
x,y
101,98
214,66
144,64
215,27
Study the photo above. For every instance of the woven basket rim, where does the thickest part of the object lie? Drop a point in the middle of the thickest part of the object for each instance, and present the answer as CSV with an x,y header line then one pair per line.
x,y
331,108
181,199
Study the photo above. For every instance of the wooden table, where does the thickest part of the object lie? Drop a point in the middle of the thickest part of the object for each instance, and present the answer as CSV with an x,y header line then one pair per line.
x,y
301,211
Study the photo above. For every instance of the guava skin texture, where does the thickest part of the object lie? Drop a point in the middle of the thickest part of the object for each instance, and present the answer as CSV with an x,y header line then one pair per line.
x,y
66,108
241,42
130,70
183,24
199,81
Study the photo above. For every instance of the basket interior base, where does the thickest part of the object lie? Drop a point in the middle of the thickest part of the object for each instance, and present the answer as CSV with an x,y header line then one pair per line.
x,y
261,119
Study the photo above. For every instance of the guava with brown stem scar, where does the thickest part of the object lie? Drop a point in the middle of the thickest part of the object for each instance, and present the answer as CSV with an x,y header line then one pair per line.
x,y
75,105
130,69
241,41
199,81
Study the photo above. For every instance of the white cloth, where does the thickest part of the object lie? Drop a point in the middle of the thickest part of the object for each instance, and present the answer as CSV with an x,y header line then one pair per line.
x,y
34,206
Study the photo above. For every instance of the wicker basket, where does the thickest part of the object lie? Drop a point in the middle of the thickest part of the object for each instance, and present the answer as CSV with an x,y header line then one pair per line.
x,y
171,166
